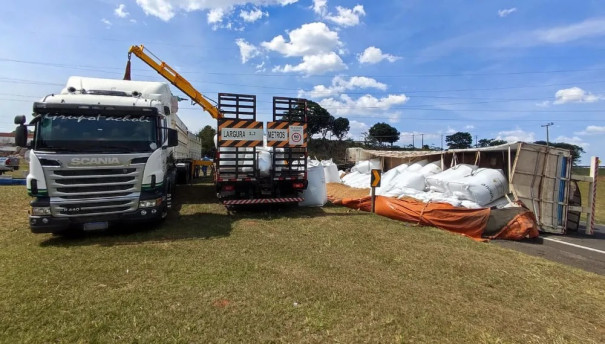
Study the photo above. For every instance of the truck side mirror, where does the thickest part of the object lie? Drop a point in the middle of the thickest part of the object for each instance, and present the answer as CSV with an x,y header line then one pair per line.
x,y
21,136
20,120
173,138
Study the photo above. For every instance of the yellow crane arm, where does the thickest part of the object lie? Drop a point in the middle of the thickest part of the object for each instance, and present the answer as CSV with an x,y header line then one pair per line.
x,y
176,79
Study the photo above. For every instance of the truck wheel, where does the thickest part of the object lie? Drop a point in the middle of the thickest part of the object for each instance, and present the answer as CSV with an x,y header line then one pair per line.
x,y
188,174
182,176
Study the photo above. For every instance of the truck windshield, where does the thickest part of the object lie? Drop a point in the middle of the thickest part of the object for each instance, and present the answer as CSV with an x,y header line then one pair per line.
x,y
99,132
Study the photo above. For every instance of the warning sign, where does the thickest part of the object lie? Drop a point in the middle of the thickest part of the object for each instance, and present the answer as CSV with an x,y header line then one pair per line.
x,y
296,135
375,178
242,134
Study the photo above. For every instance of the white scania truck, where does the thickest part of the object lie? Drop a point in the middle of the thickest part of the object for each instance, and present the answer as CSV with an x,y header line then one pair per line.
x,y
105,151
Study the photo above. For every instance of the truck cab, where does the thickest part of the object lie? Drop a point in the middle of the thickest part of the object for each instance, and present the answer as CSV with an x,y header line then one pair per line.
x,y
101,153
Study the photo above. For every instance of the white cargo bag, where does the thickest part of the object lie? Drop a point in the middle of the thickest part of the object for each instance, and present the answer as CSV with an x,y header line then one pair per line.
x,y
483,186
437,181
331,171
315,195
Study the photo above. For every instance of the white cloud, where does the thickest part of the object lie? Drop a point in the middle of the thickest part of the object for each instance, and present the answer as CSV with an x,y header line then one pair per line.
x,y
451,131
469,127
315,65
592,130
106,22
253,15
161,9
346,16
309,39
574,95
216,15
167,9
572,140
506,12
260,68
120,11
374,55
341,85
246,50
320,7
545,103
365,105
589,28
516,135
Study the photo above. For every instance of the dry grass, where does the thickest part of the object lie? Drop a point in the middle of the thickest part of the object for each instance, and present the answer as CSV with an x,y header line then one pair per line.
x,y
600,204
282,275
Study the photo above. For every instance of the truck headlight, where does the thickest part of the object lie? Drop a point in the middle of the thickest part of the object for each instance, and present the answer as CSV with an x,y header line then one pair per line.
x,y
40,211
150,203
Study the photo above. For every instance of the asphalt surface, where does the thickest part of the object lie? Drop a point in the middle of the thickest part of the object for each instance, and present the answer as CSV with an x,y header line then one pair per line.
x,y
579,250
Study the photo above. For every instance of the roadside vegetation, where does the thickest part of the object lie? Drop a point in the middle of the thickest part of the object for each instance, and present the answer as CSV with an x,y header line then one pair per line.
x,y
282,275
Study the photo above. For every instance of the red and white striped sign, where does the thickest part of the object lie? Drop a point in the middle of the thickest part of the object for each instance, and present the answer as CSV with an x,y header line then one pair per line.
x,y
264,201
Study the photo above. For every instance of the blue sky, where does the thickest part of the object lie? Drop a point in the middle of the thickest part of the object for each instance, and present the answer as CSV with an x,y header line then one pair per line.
x,y
495,69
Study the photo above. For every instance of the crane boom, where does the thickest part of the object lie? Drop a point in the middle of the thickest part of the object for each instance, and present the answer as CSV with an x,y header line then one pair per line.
x,y
176,79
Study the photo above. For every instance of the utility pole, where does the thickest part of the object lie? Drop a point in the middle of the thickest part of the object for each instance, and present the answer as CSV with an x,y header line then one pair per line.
x,y
422,137
547,138
476,141
441,141
413,144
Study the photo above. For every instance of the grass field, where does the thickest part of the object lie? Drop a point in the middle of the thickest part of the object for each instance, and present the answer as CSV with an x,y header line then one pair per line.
x,y
289,275
600,205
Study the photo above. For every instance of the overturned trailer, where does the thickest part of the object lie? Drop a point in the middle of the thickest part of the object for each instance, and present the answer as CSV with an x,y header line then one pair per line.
x,y
538,176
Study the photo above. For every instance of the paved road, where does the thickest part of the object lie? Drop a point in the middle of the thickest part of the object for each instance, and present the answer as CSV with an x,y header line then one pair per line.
x,y
575,249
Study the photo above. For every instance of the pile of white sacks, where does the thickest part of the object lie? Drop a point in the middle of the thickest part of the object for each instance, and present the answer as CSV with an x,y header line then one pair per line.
x,y
461,186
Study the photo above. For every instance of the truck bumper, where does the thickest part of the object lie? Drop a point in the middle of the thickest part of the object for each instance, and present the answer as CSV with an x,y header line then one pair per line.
x,y
52,224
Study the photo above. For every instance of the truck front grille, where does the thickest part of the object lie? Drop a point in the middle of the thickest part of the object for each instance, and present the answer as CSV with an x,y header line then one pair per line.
x,y
93,191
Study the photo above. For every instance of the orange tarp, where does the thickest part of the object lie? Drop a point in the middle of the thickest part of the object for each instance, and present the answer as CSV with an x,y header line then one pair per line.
x,y
521,226
469,222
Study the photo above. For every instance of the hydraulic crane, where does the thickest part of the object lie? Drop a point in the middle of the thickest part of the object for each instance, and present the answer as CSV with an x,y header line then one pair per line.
x,y
175,78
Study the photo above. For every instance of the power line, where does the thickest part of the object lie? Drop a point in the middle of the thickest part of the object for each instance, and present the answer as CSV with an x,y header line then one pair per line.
x,y
406,92
408,75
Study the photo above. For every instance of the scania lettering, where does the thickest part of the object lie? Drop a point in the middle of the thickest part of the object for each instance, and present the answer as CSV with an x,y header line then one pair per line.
x,y
95,161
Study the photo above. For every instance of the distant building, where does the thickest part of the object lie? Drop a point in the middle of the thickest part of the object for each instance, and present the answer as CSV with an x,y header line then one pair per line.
x,y
7,144
8,139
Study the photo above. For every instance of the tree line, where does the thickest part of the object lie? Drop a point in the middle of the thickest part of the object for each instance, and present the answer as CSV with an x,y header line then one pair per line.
x,y
379,136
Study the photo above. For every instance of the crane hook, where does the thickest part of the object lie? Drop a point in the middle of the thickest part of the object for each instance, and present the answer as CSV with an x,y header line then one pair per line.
x,y
127,71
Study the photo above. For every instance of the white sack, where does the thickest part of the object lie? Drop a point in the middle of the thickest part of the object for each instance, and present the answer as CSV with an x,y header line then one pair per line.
x,y
415,167
360,181
315,195
365,166
430,169
330,171
402,167
386,181
438,181
264,162
485,185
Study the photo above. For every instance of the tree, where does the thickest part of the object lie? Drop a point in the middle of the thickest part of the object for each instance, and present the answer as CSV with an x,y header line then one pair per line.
x,y
319,119
383,132
459,140
207,137
576,151
490,142
340,127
